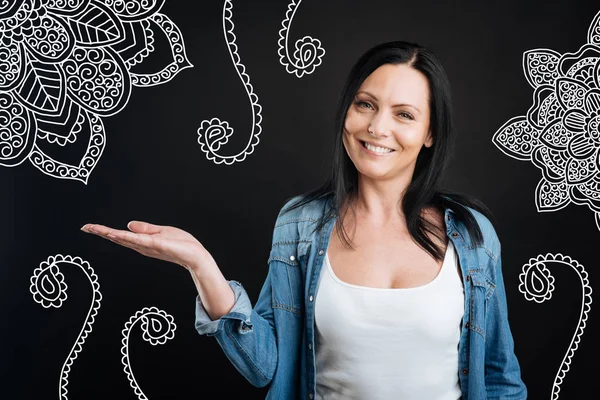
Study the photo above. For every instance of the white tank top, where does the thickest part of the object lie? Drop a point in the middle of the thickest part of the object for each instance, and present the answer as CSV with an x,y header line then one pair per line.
x,y
383,344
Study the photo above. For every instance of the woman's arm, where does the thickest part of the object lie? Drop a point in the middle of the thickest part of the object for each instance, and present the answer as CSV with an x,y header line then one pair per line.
x,y
502,371
246,335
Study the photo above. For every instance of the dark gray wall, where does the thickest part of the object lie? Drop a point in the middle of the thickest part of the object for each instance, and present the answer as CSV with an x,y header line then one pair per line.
x,y
152,168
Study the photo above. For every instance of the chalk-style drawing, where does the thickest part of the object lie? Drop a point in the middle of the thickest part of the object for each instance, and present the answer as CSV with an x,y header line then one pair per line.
x,y
157,327
560,133
49,289
537,284
214,133
65,64
308,51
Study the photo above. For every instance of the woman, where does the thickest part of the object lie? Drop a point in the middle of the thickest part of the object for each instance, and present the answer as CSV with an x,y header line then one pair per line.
x,y
415,309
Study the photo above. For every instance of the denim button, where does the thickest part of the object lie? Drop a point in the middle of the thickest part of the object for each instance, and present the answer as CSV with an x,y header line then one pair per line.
x,y
467,325
321,252
310,346
448,217
310,298
465,371
292,258
454,234
310,395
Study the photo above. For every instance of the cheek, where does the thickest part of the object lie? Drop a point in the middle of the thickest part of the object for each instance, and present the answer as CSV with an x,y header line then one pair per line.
x,y
412,137
353,122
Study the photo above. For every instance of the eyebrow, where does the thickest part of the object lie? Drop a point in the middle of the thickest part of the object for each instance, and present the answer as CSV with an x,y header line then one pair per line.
x,y
395,105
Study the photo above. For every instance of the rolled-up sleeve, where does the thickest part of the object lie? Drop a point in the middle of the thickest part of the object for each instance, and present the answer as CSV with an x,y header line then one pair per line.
x,y
241,310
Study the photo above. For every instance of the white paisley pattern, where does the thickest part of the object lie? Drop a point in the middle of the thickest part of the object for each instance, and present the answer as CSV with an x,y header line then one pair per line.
x,y
308,53
537,284
157,327
213,133
49,289
560,133
65,64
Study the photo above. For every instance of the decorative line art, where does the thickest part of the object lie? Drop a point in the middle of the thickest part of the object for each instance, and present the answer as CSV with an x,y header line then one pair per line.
x,y
308,53
537,284
49,289
214,133
65,65
157,327
560,133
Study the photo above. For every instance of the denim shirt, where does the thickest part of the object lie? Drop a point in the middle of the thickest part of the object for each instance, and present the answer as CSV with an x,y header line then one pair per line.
x,y
273,343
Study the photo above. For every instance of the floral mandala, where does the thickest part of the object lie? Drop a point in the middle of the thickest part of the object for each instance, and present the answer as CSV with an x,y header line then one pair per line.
x,y
560,133
65,64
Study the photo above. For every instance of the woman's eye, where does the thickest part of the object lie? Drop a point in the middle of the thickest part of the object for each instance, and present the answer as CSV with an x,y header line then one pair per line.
x,y
364,104
405,115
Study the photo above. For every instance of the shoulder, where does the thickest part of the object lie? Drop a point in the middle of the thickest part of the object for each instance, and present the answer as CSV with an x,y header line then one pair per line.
x,y
295,224
311,211
491,242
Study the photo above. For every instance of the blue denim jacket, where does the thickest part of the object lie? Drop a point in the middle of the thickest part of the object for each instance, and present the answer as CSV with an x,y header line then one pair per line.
x,y
273,343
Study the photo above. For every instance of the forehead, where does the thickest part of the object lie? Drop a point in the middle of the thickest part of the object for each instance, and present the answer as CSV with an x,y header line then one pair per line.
x,y
397,84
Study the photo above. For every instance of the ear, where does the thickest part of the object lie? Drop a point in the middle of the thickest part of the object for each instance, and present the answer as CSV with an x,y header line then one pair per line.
x,y
429,140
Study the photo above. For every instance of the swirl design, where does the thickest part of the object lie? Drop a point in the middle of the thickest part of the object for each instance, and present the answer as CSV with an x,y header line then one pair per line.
x,y
179,63
95,147
11,65
537,284
208,137
50,39
157,327
17,131
97,81
66,7
49,289
308,51
67,63
135,10
560,133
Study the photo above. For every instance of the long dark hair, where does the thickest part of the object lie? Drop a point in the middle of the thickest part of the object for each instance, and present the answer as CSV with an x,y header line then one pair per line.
x,y
423,191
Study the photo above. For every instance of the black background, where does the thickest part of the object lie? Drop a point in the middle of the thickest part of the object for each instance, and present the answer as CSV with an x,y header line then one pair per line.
x,y
153,169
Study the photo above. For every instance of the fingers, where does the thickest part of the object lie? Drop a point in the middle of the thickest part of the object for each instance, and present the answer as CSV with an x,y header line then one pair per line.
x,y
97,229
136,241
125,244
144,227
122,238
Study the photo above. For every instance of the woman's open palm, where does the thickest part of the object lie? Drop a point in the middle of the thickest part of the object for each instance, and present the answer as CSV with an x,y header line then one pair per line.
x,y
162,242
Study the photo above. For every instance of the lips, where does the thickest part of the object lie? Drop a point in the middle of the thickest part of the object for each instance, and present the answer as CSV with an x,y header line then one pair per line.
x,y
362,142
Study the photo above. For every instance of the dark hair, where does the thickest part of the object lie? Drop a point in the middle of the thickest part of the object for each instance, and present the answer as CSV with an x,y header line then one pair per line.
x,y
423,191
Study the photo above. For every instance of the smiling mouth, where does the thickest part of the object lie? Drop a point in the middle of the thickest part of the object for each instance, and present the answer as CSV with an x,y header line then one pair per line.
x,y
364,144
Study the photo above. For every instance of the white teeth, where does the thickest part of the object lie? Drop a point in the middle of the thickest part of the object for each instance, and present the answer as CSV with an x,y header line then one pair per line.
x,y
377,149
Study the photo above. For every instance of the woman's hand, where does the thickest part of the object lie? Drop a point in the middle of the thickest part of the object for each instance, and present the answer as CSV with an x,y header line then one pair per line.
x,y
163,242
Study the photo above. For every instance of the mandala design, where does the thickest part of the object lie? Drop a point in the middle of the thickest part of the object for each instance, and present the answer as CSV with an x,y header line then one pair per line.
x,y
560,133
157,327
65,64
537,284
214,133
308,52
49,289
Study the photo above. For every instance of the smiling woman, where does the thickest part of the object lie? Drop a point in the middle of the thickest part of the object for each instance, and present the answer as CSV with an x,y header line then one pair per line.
x,y
415,309
392,108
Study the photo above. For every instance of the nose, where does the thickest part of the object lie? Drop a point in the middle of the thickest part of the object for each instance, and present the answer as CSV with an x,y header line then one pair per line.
x,y
381,124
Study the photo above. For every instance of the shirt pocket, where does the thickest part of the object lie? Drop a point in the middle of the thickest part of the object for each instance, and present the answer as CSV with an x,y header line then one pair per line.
x,y
287,293
481,288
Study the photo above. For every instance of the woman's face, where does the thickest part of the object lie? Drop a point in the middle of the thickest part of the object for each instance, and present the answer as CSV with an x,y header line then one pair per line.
x,y
393,103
